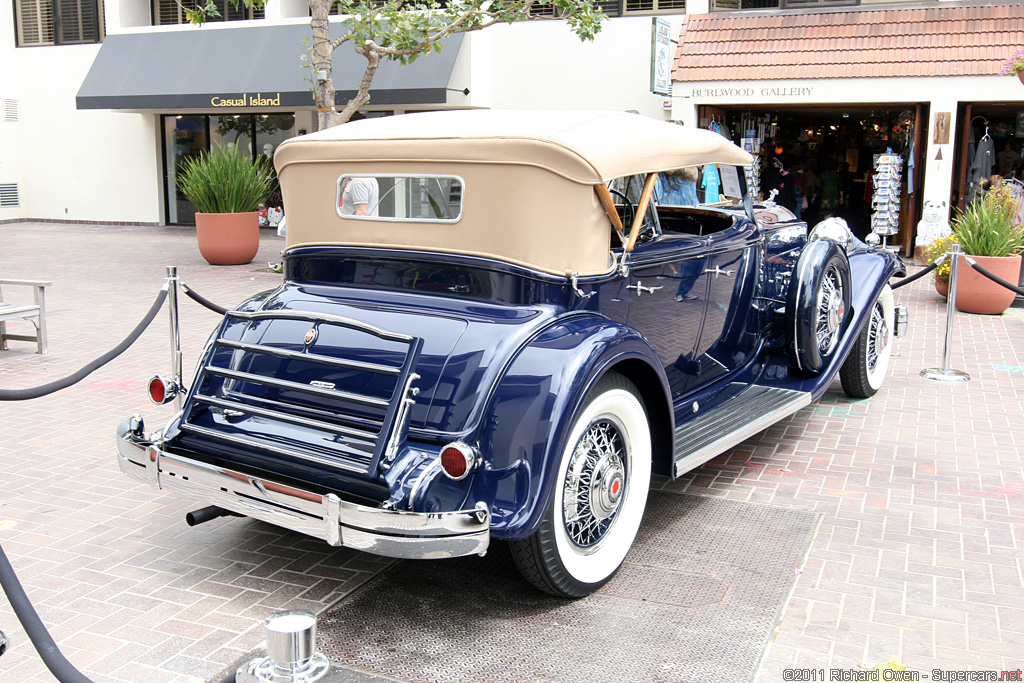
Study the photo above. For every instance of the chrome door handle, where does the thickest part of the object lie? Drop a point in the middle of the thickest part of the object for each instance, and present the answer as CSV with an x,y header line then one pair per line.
x,y
640,289
718,271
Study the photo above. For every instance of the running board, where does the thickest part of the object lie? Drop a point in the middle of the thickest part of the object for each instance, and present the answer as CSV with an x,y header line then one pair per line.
x,y
749,412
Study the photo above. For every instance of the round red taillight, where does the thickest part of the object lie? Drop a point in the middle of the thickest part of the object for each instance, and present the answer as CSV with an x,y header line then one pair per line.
x,y
457,460
157,390
162,390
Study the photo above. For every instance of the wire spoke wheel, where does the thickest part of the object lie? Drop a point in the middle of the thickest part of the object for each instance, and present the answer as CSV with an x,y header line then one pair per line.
x,y
830,311
594,484
864,371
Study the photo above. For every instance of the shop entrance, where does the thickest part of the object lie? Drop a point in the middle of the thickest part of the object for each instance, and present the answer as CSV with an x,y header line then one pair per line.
x,y
823,160
187,136
989,147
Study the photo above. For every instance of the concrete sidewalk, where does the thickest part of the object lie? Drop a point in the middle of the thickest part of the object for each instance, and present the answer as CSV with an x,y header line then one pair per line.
x,y
919,556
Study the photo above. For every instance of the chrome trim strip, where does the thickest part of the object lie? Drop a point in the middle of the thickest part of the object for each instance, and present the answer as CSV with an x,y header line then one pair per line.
x,y
391,533
295,386
311,357
402,418
288,452
367,436
322,317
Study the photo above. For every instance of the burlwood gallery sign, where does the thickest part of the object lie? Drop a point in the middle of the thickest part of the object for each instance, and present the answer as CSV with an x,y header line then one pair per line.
x,y
748,92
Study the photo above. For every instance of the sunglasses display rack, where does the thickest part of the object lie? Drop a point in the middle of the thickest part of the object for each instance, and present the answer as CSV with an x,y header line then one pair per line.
x,y
885,202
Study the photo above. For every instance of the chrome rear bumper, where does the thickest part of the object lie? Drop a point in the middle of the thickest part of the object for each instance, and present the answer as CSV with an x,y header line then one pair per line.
x,y
391,533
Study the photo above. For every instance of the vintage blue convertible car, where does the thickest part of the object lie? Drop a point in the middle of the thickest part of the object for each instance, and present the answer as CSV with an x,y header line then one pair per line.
x,y
488,330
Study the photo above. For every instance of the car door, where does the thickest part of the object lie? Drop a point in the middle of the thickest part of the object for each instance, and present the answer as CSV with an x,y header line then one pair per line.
x,y
667,299
729,334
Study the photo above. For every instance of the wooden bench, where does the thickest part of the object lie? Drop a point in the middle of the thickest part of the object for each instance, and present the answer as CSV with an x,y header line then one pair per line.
x,y
33,313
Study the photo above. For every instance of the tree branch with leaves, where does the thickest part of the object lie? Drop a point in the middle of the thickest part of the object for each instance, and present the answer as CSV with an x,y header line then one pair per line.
x,y
404,30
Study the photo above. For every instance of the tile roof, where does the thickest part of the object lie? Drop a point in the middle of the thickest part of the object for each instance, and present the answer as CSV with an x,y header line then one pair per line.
x,y
944,40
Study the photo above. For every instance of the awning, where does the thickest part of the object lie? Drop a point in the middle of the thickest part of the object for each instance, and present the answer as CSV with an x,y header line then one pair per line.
x,y
252,67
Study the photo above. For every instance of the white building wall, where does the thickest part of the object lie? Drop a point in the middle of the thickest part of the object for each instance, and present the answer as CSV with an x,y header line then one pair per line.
x,y
543,65
78,165
71,164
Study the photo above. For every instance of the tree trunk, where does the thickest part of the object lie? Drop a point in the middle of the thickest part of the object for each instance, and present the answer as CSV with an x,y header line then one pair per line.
x,y
320,59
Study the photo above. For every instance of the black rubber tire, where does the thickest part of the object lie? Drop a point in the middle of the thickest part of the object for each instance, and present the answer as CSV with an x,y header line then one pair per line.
x,y
822,264
865,368
543,558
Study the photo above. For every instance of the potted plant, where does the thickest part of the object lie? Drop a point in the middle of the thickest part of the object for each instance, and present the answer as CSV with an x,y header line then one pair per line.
x,y
1014,66
987,233
937,248
227,189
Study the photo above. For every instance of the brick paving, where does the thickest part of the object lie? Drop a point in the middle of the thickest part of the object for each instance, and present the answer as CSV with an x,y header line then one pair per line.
x,y
918,557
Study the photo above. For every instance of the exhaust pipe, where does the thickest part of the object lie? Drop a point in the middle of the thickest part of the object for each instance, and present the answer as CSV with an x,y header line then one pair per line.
x,y
206,514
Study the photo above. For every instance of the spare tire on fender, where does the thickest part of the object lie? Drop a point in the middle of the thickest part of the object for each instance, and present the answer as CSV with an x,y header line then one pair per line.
x,y
817,306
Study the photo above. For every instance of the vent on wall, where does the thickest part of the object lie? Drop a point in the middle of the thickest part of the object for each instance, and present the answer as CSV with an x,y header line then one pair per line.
x,y
9,194
10,110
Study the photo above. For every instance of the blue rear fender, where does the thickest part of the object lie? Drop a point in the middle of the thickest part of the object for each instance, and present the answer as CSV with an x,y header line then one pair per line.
x,y
537,399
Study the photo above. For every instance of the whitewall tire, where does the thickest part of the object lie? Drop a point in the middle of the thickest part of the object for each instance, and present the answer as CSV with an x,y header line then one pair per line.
x,y
865,369
599,496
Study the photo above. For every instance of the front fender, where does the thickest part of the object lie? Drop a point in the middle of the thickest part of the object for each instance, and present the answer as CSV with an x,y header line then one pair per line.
x,y
530,413
870,271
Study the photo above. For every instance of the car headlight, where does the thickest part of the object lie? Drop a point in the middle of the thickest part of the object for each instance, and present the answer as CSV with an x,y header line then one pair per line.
x,y
834,229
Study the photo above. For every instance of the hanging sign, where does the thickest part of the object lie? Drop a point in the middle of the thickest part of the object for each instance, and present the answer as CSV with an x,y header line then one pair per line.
x,y
941,134
661,56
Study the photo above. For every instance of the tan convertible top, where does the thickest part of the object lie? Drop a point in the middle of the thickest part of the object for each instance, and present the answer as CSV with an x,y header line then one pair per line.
x,y
528,176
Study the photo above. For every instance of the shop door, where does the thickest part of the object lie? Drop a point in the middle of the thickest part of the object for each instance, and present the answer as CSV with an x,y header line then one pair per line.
x,y
910,211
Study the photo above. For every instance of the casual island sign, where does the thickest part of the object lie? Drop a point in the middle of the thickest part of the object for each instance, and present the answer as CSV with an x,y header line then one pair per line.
x,y
246,100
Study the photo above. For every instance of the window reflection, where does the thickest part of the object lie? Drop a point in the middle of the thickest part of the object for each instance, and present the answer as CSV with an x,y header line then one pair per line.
x,y
397,197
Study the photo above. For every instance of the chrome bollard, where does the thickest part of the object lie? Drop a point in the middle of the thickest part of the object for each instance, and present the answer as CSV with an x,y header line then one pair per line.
x,y
945,374
172,307
291,652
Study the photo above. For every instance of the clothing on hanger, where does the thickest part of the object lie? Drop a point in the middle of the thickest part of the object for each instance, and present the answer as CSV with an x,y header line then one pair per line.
x,y
711,183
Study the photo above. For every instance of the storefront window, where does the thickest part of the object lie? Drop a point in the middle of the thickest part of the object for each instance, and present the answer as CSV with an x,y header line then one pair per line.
x,y
172,11
991,143
187,136
48,22
732,5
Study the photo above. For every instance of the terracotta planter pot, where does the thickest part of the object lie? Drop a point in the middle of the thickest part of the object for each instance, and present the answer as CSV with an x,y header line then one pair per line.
x,y
228,239
1020,77
942,287
975,293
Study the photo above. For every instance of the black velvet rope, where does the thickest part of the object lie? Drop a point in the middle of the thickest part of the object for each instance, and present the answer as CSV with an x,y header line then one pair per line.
x,y
907,280
57,385
63,670
202,301
995,278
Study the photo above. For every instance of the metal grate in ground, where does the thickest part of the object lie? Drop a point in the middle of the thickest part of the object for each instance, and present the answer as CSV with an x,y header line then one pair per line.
x,y
696,601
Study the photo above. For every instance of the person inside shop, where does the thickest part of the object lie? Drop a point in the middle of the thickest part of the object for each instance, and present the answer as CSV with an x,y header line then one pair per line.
x,y
830,191
781,177
845,185
360,197
1009,159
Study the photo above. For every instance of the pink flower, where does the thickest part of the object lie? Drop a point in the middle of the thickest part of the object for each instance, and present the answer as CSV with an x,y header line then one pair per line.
x,y
1014,64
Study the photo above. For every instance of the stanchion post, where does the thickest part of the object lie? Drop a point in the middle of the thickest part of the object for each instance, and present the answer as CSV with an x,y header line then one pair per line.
x,y
172,307
945,373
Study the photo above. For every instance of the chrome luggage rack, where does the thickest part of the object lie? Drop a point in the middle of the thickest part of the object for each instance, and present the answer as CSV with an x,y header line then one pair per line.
x,y
237,402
